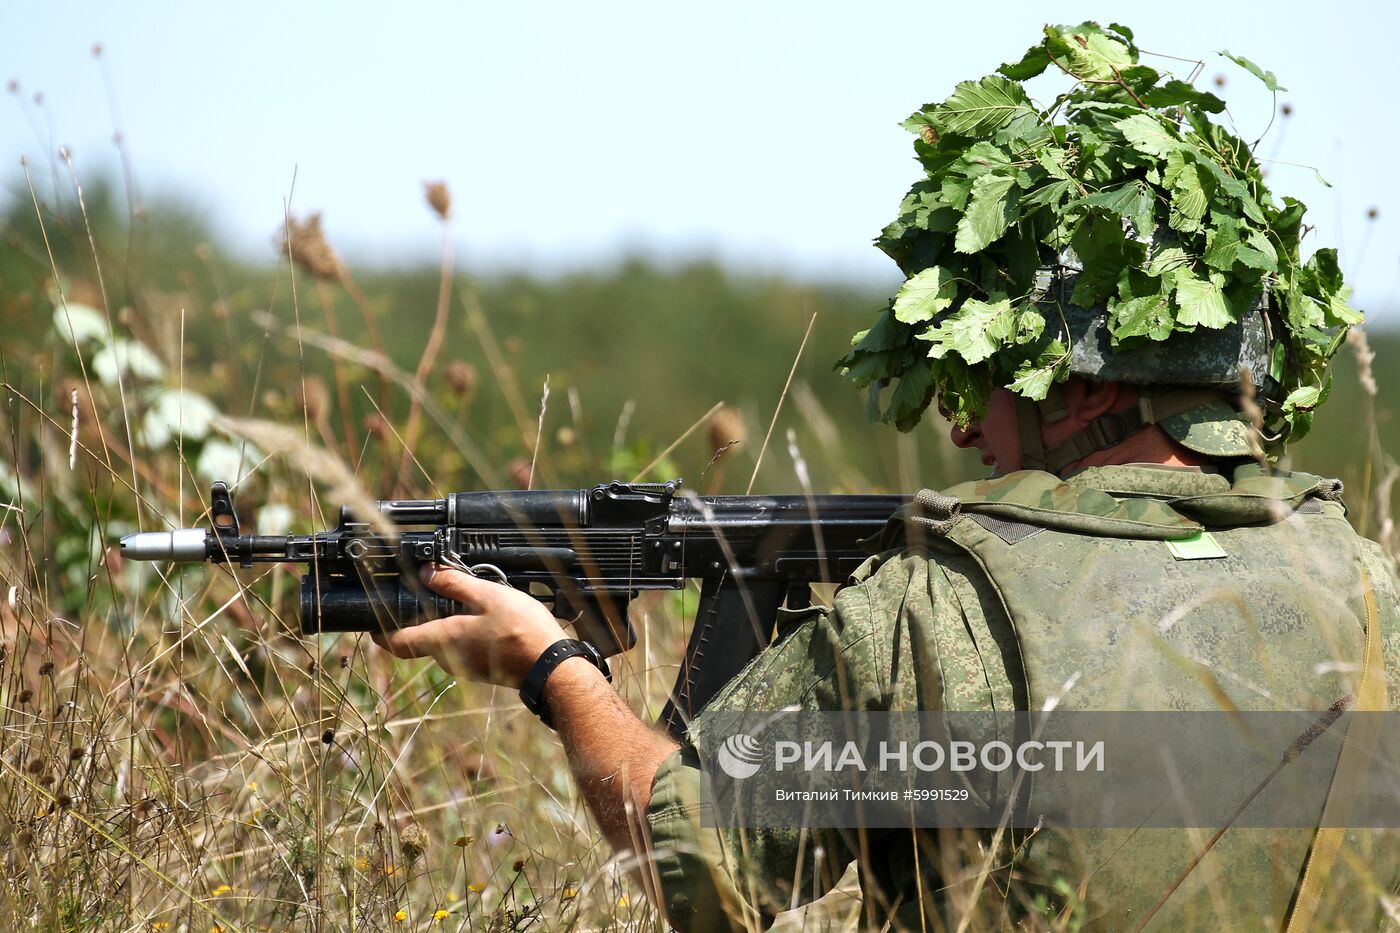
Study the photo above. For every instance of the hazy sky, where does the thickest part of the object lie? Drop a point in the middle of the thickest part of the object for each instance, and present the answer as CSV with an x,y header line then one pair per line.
x,y
763,132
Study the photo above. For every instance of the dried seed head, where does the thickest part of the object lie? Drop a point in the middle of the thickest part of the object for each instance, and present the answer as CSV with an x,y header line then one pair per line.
x,y
1372,213
461,377
35,765
310,667
344,662
519,865
726,427
46,669
439,199
413,842
44,779
519,472
25,695
1219,80
75,753
328,737
375,425
315,398
305,244
1286,110
64,801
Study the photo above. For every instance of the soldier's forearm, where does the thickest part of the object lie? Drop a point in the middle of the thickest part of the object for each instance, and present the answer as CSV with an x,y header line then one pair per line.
x,y
613,754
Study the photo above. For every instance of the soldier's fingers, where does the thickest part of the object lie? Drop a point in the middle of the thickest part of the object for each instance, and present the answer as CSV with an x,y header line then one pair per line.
x,y
463,587
403,643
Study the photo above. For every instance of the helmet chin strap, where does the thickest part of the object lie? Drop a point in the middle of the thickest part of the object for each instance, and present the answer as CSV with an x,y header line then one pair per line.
x,y
1100,434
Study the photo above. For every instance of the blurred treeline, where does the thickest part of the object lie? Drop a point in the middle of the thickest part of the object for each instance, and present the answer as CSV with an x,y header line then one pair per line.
x,y
635,352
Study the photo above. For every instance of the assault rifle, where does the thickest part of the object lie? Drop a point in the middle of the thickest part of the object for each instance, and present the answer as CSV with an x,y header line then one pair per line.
x,y
588,552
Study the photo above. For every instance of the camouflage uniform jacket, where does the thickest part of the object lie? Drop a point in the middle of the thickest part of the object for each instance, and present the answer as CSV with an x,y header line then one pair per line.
x,y
1024,585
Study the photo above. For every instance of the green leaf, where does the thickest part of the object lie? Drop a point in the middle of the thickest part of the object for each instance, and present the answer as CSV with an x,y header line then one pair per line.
x,y
1149,316
1133,200
1092,55
1223,243
924,295
1259,254
974,332
1148,135
982,107
1103,251
1167,261
1034,377
988,214
1267,77
956,192
1303,398
1189,201
1202,302
1053,161
1033,63
1122,200
1178,93
911,396
1053,195
1339,311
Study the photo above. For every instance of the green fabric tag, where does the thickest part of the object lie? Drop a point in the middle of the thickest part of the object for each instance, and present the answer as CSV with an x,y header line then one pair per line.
x,y
1200,546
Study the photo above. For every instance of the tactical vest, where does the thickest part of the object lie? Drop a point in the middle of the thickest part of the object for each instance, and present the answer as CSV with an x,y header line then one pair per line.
x,y
1117,602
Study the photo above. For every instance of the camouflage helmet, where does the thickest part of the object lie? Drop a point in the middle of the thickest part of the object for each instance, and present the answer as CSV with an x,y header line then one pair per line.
x,y
1189,385
1117,235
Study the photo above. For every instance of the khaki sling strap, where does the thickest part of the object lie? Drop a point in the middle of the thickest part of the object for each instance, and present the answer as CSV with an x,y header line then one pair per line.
x,y
1357,748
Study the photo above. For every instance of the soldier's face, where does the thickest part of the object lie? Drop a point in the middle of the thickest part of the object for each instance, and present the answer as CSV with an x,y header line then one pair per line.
x,y
996,436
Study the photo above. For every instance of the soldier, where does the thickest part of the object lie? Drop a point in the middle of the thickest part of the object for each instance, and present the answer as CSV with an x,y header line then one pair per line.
x,y
1042,575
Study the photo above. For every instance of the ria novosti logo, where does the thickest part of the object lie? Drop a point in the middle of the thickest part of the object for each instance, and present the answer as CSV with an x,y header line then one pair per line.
x,y
740,756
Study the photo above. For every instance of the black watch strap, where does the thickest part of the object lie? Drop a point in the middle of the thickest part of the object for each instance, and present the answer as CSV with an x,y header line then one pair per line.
x,y
532,690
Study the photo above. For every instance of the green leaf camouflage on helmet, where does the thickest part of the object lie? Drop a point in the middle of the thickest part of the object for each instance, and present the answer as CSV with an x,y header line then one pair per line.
x,y
1116,234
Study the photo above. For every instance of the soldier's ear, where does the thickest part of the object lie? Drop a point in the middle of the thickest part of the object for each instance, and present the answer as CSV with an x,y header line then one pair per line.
x,y
1088,400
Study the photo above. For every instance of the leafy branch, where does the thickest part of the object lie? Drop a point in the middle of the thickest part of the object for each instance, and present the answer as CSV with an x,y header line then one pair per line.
x,y
1122,197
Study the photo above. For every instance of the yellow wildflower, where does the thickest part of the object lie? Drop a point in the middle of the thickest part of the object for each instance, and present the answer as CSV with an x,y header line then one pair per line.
x,y
440,915
400,916
222,889
252,785
570,893
362,863
462,841
622,902
476,887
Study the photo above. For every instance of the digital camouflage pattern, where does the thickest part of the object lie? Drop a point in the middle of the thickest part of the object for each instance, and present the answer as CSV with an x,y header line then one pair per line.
x,y
1215,429
1002,594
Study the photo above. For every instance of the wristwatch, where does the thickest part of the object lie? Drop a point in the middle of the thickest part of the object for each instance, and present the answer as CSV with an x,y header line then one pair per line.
x,y
532,690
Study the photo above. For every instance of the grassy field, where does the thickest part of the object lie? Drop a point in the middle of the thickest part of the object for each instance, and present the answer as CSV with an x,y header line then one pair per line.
x,y
174,756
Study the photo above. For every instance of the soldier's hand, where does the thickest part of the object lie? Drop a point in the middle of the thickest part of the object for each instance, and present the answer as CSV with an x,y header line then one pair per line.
x,y
501,633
